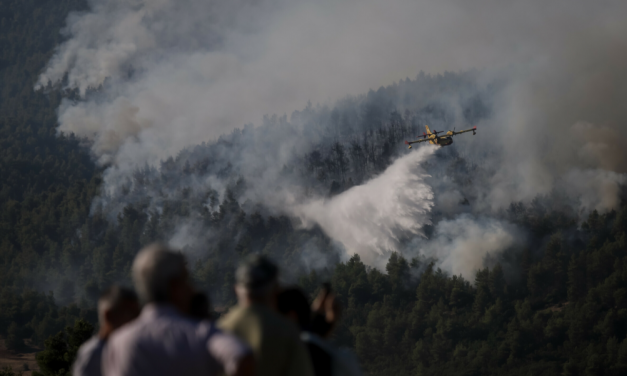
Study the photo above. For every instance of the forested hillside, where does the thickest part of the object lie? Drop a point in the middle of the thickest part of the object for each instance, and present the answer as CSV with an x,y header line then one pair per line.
x,y
47,180
567,314
553,304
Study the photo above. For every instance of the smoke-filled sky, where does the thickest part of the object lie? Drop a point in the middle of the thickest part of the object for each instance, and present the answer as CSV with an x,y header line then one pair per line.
x,y
159,75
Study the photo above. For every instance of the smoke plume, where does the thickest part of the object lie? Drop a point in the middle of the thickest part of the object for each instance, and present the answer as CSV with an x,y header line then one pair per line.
x,y
461,245
156,77
373,219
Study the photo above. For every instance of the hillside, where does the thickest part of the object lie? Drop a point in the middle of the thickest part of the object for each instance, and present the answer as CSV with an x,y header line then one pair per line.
x,y
549,297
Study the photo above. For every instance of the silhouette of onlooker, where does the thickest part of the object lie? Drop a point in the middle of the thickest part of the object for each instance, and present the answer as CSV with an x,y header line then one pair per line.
x,y
274,339
163,340
293,303
116,307
199,307
317,328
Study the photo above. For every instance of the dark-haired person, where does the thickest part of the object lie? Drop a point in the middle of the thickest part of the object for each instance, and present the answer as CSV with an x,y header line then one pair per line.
x,y
164,340
327,359
293,303
199,307
274,339
116,307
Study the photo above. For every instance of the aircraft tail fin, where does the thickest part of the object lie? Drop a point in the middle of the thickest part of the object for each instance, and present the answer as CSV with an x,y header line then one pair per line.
x,y
428,130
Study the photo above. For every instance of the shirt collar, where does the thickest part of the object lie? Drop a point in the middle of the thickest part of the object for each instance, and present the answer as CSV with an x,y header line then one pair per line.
x,y
159,310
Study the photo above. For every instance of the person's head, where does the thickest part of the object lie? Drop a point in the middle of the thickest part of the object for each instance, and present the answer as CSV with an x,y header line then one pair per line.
x,y
199,307
116,307
160,276
293,303
257,281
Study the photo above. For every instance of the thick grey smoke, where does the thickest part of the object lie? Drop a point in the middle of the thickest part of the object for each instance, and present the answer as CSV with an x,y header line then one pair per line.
x,y
157,76
173,73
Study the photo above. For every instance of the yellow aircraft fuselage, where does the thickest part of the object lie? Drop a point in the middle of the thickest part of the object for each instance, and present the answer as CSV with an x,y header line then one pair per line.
x,y
444,140
439,140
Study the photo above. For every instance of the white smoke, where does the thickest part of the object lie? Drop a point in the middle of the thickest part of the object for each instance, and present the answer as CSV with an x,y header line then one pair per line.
x,y
170,73
157,76
461,245
373,219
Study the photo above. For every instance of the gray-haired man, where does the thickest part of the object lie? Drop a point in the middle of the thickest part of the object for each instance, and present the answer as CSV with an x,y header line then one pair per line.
x,y
116,307
163,341
274,339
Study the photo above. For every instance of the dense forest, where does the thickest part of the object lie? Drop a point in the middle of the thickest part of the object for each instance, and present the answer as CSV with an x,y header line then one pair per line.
x,y
557,305
47,180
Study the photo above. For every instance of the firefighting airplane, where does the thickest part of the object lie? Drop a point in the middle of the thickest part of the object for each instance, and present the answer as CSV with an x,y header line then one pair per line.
x,y
443,140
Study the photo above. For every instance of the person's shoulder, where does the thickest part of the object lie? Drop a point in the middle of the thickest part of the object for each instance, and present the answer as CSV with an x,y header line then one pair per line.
x,y
91,345
207,328
281,324
235,311
88,356
225,348
220,336
234,315
129,332
91,348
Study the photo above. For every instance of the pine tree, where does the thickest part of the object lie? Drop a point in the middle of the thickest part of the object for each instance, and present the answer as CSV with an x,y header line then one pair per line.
x,y
60,349
576,278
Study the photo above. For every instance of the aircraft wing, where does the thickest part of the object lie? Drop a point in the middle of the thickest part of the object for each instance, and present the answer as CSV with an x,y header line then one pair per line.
x,y
417,141
473,130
